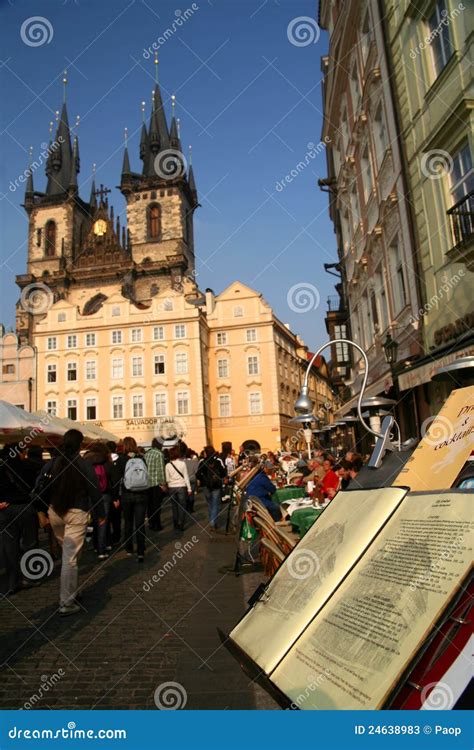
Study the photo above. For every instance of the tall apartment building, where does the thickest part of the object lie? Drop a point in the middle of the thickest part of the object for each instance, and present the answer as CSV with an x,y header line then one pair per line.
x,y
380,285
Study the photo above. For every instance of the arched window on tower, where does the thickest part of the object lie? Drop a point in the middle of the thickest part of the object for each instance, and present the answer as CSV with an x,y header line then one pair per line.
x,y
50,239
154,221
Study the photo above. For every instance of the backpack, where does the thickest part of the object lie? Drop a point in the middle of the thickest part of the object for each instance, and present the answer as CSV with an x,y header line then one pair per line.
x,y
135,477
101,475
41,492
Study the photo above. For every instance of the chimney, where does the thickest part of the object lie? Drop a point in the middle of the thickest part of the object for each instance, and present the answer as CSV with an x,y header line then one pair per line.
x,y
210,301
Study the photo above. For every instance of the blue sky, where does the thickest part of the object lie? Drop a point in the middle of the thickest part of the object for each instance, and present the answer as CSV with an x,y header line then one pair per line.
x,y
250,104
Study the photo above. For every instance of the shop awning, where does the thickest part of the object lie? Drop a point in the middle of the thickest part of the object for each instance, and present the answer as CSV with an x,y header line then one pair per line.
x,y
424,373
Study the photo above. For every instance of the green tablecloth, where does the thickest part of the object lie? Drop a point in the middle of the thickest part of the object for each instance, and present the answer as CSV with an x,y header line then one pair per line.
x,y
303,518
288,493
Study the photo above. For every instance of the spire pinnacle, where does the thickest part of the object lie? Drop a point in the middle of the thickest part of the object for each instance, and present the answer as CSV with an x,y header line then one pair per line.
x,y
178,126
29,182
125,137
173,104
64,86
190,160
126,170
143,107
156,63
51,126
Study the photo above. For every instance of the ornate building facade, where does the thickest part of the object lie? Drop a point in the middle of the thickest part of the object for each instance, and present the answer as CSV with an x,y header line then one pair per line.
x,y
123,334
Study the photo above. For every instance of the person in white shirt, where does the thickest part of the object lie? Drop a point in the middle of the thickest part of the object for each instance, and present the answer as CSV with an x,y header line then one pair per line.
x,y
179,486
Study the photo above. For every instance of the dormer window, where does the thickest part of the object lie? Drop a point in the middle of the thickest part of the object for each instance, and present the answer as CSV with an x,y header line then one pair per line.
x,y
50,239
154,222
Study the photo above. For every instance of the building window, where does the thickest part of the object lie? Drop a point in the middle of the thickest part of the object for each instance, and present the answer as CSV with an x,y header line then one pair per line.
x,y
238,312
136,335
224,405
72,341
52,343
91,408
159,364
180,331
51,376
381,298
398,278
160,405
181,363
440,42
255,402
366,173
355,88
253,365
366,36
462,175
50,239
71,371
61,317
91,369
137,367
91,339
158,333
116,312
251,335
354,200
8,369
116,337
342,350
52,408
380,134
117,407
222,368
117,368
222,338
72,408
182,402
137,406
154,222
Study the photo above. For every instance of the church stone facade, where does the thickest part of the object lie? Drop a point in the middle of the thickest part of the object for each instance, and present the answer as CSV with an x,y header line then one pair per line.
x,y
124,337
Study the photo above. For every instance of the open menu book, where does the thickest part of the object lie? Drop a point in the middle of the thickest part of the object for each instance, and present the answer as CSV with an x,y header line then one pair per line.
x,y
347,611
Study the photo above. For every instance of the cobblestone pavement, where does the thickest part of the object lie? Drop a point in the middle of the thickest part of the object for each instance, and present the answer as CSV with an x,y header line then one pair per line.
x,y
135,633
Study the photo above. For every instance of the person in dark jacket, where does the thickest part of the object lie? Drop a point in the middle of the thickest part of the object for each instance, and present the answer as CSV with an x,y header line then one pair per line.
x,y
98,455
18,517
133,503
115,514
211,474
262,488
74,491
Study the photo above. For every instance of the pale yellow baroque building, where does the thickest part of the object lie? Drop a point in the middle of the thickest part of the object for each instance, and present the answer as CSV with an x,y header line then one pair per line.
x,y
124,336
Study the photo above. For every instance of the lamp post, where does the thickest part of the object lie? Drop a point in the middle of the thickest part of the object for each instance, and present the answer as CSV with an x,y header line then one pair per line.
x,y
304,405
390,349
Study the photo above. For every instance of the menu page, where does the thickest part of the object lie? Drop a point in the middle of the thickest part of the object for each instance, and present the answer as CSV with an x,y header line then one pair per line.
x,y
354,652
312,571
445,447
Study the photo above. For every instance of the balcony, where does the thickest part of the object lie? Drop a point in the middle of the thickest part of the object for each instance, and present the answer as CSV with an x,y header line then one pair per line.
x,y
335,304
461,216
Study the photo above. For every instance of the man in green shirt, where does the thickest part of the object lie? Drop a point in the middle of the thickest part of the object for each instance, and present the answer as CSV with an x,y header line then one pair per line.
x,y
155,462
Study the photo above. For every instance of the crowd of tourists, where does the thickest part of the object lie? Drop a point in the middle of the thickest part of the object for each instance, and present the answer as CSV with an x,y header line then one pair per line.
x,y
111,495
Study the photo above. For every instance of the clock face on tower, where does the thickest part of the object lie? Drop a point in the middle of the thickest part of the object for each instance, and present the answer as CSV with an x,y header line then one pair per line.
x,y
100,227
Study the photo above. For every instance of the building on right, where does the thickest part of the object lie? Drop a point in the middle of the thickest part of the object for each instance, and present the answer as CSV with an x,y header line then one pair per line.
x,y
429,52
398,129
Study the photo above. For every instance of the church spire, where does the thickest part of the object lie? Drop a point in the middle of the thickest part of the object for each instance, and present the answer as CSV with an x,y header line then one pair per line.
x,y
74,165
59,163
29,183
126,170
93,198
175,142
191,179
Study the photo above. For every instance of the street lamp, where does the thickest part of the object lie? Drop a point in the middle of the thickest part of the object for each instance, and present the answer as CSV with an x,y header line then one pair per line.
x,y
390,348
304,405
